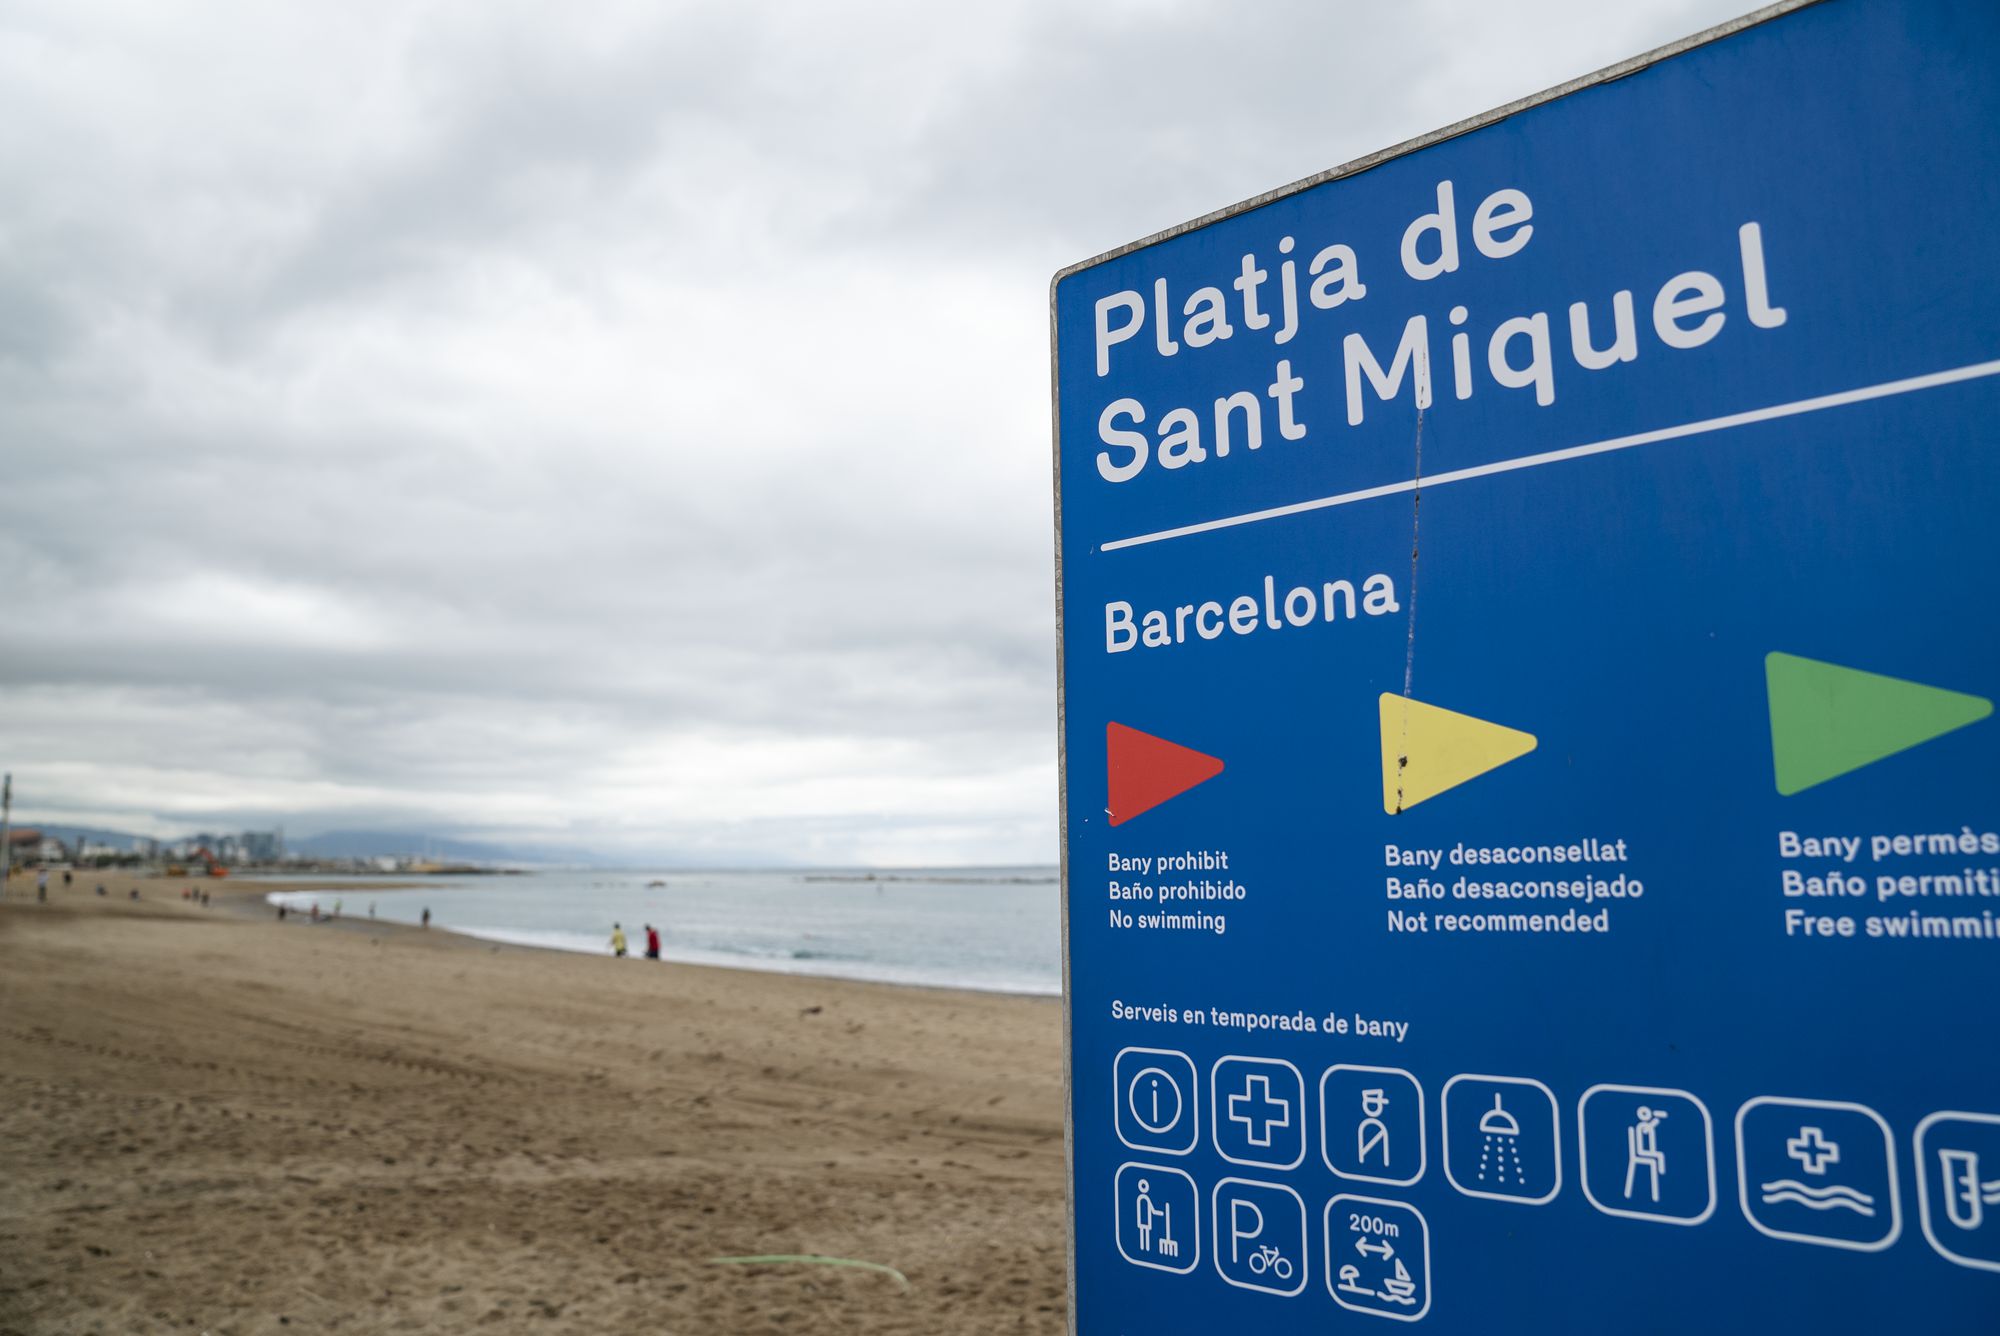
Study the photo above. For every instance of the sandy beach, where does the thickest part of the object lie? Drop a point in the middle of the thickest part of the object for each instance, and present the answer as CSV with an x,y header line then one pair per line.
x,y
213,1122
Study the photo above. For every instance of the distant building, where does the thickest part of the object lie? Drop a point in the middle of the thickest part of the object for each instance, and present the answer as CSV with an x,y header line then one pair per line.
x,y
263,846
26,844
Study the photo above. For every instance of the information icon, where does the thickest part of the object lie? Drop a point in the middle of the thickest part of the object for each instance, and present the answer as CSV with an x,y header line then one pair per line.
x,y
1153,1090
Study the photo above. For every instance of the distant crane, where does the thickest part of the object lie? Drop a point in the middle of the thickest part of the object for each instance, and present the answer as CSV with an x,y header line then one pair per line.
x,y
209,861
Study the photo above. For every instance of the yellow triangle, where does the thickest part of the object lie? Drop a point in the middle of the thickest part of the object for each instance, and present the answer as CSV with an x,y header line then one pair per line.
x,y
1426,750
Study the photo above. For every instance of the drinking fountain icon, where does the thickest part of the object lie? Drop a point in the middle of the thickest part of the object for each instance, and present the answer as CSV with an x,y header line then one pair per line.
x,y
1500,1145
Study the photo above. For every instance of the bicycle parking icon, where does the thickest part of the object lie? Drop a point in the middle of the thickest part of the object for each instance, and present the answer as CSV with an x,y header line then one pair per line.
x,y
1268,1258
1260,1236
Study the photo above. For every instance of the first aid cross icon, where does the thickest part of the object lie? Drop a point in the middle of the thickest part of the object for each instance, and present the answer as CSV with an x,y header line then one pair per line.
x,y
1258,1111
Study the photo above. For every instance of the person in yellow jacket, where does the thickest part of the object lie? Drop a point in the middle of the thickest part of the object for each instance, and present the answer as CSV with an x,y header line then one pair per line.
x,y
617,940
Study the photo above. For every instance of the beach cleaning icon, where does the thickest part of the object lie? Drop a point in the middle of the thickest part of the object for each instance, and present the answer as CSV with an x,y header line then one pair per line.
x,y
1157,1225
1152,1216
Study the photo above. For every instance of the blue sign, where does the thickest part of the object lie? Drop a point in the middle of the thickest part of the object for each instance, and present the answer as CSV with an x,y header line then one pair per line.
x,y
1532,806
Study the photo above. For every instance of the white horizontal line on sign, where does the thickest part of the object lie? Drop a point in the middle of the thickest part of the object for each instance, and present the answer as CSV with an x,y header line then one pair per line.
x,y
1884,390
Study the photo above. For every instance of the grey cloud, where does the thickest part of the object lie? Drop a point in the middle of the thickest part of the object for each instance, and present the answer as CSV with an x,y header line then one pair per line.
x,y
625,427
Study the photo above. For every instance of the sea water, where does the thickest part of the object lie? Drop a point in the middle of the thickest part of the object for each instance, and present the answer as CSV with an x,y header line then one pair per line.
x,y
993,929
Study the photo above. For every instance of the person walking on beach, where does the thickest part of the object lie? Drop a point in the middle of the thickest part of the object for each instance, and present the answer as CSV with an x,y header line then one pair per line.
x,y
42,886
427,917
617,941
652,942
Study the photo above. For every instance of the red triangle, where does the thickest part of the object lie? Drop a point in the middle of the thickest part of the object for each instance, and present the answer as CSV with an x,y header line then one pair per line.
x,y
1142,771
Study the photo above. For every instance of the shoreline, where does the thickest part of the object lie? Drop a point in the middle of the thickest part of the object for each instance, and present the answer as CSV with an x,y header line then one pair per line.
x,y
264,890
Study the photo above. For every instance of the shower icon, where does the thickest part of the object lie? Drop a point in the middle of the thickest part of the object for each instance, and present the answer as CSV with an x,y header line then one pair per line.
x,y
1501,1138
1500,1150
1498,1122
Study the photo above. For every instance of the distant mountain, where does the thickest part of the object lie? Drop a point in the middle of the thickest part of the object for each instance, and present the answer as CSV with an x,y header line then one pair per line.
x,y
416,844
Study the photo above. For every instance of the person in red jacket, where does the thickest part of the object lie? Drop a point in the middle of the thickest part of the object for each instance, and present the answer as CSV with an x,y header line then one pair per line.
x,y
652,942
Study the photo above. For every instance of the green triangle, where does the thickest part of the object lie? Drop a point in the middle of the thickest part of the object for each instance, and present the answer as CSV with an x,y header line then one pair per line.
x,y
1827,720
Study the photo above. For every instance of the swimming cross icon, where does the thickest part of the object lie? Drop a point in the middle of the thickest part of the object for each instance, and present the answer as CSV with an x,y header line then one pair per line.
x,y
1812,1150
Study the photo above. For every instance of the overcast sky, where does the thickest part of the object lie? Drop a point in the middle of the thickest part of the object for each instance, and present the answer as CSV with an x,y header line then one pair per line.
x,y
622,426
